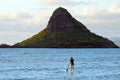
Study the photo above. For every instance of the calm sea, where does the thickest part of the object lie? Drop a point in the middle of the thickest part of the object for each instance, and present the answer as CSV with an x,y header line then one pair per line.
x,y
51,64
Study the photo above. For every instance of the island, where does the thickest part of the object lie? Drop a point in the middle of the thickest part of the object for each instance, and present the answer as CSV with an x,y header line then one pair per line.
x,y
64,31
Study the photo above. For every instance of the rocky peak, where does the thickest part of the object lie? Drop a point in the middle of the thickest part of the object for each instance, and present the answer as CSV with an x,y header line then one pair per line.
x,y
60,12
62,21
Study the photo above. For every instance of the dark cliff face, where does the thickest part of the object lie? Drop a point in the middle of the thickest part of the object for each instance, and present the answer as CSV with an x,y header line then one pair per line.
x,y
62,21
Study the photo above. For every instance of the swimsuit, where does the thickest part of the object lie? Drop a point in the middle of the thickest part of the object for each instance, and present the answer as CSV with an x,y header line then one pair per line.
x,y
72,61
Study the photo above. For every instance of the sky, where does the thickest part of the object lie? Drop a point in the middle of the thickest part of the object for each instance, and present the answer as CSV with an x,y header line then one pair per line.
x,y
21,19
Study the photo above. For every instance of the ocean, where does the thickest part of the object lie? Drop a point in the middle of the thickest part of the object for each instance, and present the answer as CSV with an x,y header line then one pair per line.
x,y
51,63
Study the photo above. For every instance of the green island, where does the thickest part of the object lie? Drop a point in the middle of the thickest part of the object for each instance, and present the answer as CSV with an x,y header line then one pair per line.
x,y
64,31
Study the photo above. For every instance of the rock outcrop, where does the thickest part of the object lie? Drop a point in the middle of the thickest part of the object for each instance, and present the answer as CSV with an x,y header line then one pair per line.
x,y
62,21
5,46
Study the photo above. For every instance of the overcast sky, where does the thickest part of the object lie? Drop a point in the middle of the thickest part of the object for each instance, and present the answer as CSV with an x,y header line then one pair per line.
x,y
20,19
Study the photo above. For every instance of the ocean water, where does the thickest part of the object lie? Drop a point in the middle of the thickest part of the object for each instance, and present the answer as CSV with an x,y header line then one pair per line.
x,y
51,64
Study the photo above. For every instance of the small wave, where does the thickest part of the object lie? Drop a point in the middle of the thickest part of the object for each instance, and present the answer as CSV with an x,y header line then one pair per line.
x,y
30,69
5,60
19,79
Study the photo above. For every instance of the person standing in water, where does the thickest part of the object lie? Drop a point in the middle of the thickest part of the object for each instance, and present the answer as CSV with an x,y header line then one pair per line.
x,y
71,64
